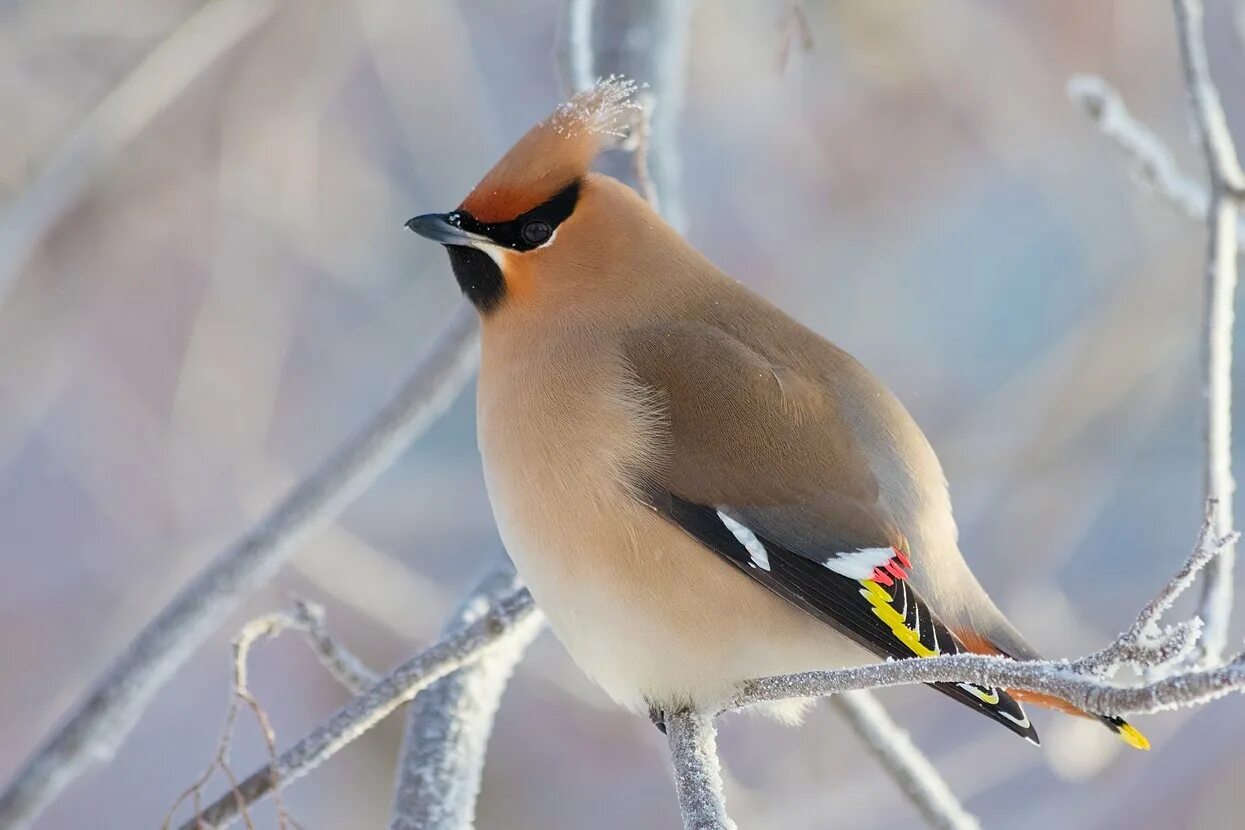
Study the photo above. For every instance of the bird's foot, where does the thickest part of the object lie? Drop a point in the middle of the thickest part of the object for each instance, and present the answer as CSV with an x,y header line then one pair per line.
x,y
658,717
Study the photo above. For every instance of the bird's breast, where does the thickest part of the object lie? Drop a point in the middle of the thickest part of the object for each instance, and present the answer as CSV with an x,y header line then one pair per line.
x,y
643,608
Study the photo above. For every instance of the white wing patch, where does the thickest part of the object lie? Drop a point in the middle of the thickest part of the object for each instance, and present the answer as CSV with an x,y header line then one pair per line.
x,y
756,550
860,564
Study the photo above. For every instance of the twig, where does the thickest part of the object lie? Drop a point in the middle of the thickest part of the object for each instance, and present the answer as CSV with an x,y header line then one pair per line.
x,y
1153,163
1082,683
448,726
1052,677
264,628
155,83
503,620
905,764
346,669
308,618
1144,644
119,697
1223,217
697,774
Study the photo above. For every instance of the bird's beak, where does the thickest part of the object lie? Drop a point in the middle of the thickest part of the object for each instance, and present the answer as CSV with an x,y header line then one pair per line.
x,y
441,227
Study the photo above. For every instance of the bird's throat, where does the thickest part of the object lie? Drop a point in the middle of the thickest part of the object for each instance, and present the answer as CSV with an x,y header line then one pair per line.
x,y
478,276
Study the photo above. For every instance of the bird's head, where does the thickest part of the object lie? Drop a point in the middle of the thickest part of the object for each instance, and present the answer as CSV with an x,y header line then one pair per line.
x,y
539,221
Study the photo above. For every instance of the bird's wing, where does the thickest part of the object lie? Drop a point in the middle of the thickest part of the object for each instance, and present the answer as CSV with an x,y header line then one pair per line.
x,y
756,462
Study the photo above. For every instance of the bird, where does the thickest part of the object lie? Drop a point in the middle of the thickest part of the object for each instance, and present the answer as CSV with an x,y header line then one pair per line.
x,y
697,489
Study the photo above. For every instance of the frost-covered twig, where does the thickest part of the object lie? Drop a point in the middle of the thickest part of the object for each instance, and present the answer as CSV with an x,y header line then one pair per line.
x,y
120,696
155,83
1145,645
906,765
1052,677
506,619
1152,161
1223,222
1084,683
448,726
346,669
697,773
308,618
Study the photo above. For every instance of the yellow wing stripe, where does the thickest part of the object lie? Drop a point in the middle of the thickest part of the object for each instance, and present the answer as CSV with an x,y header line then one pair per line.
x,y
882,608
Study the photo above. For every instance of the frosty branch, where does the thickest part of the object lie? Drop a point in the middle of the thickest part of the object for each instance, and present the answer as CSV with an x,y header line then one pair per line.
x,y
1227,183
448,725
1164,654
120,696
508,619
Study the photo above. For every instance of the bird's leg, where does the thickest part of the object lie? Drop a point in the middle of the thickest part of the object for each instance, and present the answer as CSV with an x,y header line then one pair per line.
x,y
658,717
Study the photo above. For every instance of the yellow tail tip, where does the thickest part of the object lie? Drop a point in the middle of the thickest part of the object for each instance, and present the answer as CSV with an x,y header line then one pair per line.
x,y
1129,735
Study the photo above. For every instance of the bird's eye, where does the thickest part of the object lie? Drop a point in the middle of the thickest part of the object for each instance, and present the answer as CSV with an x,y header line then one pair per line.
x,y
536,232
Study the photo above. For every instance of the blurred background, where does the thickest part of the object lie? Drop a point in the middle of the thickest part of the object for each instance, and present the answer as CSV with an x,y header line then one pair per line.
x,y
232,294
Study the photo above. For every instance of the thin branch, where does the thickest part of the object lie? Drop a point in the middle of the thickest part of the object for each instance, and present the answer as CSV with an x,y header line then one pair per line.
x,y
905,764
507,619
108,713
697,774
1223,217
346,669
1052,677
121,116
1152,162
1084,683
1147,646
448,726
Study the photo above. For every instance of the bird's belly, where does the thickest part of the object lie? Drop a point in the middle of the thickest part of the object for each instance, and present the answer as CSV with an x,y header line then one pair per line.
x,y
646,611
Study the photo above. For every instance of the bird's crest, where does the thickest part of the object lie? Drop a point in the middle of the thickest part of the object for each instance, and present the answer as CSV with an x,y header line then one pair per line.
x,y
555,152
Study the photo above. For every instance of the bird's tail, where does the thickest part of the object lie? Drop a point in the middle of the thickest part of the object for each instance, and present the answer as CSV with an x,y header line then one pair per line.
x,y
1128,733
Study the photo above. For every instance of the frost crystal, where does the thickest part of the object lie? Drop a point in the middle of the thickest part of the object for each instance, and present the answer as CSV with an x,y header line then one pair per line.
x,y
606,108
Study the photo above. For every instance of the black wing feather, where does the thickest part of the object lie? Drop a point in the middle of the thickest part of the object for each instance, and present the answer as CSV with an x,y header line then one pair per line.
x,y
843,603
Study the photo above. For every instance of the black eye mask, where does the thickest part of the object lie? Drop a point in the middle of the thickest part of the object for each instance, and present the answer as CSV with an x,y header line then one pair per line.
x,y
526,231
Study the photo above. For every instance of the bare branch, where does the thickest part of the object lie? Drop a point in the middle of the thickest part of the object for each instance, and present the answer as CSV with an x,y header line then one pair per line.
x,y
697,774
346,669
448,726
905,764
1223,218
1050,677
126,111
120,696
1083,683
503,621
1144,644
1152,161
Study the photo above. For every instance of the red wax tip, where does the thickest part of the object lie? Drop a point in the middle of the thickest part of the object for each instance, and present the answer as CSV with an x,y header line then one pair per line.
x,y
880,577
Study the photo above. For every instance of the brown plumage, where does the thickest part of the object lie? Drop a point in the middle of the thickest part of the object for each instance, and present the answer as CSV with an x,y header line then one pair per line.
x,y
697,488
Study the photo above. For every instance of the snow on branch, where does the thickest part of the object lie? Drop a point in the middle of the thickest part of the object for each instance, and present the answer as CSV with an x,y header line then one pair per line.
x,y
308,618
697,771
1223,245
1084,683
505,620
120,696
448,726
1152,160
